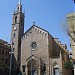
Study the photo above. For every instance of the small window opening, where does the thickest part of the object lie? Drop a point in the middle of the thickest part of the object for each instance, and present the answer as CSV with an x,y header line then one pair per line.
x,y
15,19
14,34
18,8
6,61
23,67
2,51
2,60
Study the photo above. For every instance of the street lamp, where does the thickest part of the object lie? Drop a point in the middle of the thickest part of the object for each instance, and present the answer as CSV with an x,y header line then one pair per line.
x,y
11,52
33,46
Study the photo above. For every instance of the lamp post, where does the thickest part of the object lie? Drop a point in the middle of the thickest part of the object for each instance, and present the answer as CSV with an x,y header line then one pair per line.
x,y
31,60
10,62
11,52
33,46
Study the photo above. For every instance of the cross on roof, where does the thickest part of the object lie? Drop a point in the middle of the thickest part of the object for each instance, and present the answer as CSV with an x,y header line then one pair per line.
x,y
34,23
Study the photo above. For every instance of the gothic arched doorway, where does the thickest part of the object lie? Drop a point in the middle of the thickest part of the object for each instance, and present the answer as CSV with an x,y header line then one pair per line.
x,y
35,65
56,69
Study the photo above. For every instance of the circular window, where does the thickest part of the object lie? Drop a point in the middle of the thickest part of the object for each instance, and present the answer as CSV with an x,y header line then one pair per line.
x,y
33,45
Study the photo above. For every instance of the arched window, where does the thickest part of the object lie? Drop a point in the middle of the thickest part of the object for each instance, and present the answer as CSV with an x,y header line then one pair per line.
x,y
18,8
15,19
14,34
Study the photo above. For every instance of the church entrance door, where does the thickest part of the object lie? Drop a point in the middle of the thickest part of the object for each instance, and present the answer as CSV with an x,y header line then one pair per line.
x,y
56,71
34,67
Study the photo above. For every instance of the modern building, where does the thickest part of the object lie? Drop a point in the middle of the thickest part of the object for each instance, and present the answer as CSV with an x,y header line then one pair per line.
x,y
4,57
36,52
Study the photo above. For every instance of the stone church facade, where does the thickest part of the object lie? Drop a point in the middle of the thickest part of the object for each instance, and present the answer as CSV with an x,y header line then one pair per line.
x,y
35,49
71,24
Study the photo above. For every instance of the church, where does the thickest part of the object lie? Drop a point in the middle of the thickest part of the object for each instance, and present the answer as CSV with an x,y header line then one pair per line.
x,y
36,52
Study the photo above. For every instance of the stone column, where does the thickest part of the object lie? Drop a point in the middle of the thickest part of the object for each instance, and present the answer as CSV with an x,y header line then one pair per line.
x,y
60,70
47,69
26,70
52,70
39,69
50,63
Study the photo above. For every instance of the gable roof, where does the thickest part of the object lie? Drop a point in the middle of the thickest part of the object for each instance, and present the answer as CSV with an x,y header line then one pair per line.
x,y
36,27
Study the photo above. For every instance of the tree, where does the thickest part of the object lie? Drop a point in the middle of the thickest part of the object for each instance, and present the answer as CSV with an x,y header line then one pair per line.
x,y
69,26
2,67
68,65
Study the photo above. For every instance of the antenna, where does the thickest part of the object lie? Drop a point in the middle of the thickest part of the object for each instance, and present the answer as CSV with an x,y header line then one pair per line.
x,y
34,23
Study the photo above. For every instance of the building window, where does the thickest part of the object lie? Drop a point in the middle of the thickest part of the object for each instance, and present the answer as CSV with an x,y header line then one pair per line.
x,y
15,19
18,8
2,60
23,67
12,43
6,52
44,68
56,69
2,51
14,34
33,45
6,61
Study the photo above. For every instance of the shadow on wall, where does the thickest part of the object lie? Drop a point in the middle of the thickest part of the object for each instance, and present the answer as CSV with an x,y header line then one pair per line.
x,y
15,67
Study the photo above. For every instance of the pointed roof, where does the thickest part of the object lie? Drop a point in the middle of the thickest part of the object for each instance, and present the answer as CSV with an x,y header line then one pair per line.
x,y
19,2
19,6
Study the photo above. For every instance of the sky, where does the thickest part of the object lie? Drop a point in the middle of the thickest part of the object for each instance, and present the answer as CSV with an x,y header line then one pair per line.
x,y
47,14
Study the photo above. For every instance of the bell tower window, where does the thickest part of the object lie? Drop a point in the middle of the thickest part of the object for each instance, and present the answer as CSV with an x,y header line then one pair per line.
x,y
18,8
21,20
14,34
16,19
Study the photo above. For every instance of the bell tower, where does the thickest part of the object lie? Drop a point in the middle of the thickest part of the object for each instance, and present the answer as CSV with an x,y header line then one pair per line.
x,y
17,32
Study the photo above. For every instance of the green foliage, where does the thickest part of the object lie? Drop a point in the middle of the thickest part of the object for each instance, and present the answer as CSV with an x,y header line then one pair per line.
x,y
68,65
2,67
